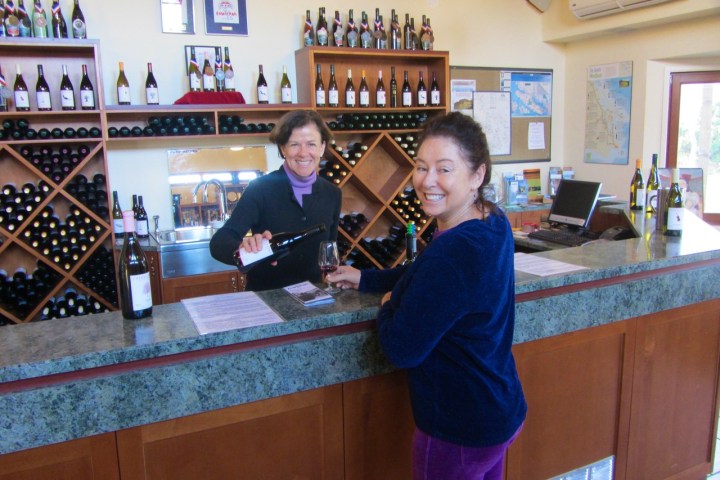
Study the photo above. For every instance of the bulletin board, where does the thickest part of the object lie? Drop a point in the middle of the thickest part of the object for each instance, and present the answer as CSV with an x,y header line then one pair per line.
x,y
473,91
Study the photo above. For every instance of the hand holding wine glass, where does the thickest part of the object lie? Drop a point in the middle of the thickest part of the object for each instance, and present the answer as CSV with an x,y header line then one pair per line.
x,y
328,260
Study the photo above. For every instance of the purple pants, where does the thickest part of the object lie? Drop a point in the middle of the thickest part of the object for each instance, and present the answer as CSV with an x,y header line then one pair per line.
x,y
435,459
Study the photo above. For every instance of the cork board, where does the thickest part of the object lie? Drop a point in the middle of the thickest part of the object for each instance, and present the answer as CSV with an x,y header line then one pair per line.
x,y
526,135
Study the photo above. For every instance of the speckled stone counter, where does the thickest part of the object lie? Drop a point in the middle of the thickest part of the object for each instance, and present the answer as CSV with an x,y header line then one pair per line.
x,y
75,377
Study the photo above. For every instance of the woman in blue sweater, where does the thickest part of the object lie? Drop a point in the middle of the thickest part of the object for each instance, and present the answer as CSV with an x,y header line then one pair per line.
x,y
450,316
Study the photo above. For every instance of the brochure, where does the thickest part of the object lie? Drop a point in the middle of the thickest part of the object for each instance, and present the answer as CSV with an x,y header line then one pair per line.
x,y
308,294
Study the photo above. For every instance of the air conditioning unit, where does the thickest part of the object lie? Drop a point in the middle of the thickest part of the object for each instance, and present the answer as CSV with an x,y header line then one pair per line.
x,y
584,9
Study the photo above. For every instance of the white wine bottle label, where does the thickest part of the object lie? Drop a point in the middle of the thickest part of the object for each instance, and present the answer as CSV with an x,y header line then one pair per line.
x,y
124,94
22,99
322,36
320,98
141,228
208,82
248,258
87,99
263,94
78,27
422,98
675,218
407,99
365,99
333,97
350,99
640,201
229,80
140,291
118,227
67,99
152,96
286,94
195,82
435,98
43,100
380,98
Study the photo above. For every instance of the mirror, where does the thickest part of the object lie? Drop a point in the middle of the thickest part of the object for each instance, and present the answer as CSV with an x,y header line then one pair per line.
x,y
195,176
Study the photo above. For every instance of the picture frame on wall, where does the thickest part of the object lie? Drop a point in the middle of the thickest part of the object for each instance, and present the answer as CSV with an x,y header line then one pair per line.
x,y
178,16
201,53
226,17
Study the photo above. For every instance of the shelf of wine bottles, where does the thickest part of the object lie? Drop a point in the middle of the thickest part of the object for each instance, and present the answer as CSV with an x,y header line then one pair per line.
x,y
332,170
408,142
353,224
409,207
56,161
20,129
385,250
352,153
71,304
98,274
166,125
234,124
16,205
91,193
378,121
22,292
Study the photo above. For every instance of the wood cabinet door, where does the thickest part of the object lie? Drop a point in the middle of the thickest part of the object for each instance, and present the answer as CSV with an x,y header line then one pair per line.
x,y
296,436
533,216
175,289
91,458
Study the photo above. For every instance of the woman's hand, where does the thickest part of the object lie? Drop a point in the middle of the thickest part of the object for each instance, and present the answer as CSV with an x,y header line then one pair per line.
x,y
345,277
386,298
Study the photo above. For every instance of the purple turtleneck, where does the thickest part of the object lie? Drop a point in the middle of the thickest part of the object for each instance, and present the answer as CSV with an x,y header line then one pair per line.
x,y
300,185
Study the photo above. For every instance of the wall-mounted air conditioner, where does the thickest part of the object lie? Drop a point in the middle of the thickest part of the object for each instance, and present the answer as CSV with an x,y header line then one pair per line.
x,y
584,9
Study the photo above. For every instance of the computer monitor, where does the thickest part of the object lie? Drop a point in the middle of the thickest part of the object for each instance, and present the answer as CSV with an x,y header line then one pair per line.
x,y
574,203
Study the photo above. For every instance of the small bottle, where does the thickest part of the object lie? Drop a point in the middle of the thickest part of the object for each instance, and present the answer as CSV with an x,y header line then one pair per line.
x,y
338,33
421,92
406,92
379,36
229,73
219,72
410,244
380,94
142,225
39,21
366,38
24,23
87,92
194,74
393,88
79,27
637,188
319,88
321,32
351,31
208,76
285,87
134,275
42,92
262,88
280,245
152,95
333,92
308,31
22,96
59,27
674,211
123,86
67,93
349,91
652,186
434,92
364,92
117,215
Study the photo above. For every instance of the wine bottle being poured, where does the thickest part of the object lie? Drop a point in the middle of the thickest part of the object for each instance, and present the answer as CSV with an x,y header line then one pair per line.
x,y
276,248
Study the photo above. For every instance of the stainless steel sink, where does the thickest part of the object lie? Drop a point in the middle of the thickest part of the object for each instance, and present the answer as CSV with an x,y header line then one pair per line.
x,y
186,251
187,234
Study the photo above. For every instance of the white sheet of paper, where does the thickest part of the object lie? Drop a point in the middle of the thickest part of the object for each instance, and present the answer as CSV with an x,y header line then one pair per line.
x,y
228,311
543,267
536,136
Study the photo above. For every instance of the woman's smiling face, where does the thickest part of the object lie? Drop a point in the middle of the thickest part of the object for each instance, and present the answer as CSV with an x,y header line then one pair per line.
x,y
303,150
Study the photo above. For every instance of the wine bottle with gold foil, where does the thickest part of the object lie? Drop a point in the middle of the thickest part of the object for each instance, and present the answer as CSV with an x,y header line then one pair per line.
x,y
637,188
285,87
194,74
229,73
652,186
123,86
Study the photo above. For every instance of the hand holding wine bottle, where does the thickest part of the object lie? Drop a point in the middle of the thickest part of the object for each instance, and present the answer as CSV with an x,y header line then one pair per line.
x,y
266,247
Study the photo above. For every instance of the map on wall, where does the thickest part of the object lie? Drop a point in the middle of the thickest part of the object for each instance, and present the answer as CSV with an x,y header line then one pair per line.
x,y
607,118
531,92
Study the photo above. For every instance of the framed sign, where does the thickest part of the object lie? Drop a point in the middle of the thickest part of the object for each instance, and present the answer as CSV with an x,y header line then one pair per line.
x,y
226,17
178,16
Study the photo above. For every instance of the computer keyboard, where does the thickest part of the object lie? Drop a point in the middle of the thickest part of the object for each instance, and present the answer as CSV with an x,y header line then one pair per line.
x,y
563,237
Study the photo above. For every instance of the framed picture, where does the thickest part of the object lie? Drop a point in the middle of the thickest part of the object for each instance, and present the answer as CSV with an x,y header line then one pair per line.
x,y
201,53
226,17
178,16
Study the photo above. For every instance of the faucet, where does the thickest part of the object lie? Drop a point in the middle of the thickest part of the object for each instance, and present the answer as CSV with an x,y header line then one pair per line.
x,y
221,195
197,187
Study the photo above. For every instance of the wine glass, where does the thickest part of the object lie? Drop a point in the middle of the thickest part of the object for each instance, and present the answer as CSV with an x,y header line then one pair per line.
x,y
329,260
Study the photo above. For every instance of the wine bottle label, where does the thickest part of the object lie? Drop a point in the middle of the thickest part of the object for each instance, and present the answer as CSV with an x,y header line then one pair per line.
x,y
152,95
78,27
118,227
322,36
141,228
248,258
380,98
651,202
263,93
352,39
365,99
320,98
350,99
208,82
195,82
123,94
333,97
229,80
286,94
640,200
422,98
22,99
407,99
87,99
43,100
67,99
435,97
308,39
140,291
675,218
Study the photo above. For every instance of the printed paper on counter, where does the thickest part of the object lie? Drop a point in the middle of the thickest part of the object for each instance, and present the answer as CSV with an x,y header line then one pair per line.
x,y
543,267
229,311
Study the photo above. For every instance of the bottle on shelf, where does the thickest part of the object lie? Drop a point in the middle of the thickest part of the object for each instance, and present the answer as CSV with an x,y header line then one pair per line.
x,y
3,92
79,27
281,244
59,27
349,91
674,211
308,31
67,92
123,86
42,92
652,186
39,21
333,91
338,32
285,87
262,87
24,23
427,39
194,74
415,37
379,35
87,92
637,188
219,72
351,31
366,38
407,34
142,225
434,92
134,275
152,95
321,32
421,92
319,88
11,22
406,92
208,76
395,32
380,94
229,72
364,91
393,88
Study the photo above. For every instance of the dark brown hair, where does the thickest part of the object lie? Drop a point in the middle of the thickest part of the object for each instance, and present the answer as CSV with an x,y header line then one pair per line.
x,y
280,134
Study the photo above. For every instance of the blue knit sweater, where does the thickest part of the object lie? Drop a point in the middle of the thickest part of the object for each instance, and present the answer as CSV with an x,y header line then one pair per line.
x,y
450,323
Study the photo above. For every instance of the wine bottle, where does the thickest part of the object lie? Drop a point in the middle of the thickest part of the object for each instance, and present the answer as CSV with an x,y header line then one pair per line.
x,y
67,92
379,35
142,226
79,27
380,94
434,92
11,23
406,92
421,92
319,88
351,31
134,274
308,31
24,23
219,72
333,91
674,211
208,76
364,91
338,32
152,95
229,84
87,92
652,186
349,91
393,88
410,244
194,74
39,21
123,86
427,39
415,36
117,215
285,87
22,96
637,188
366,38
59,27
42,92
279,246
262,88
321,32
407,34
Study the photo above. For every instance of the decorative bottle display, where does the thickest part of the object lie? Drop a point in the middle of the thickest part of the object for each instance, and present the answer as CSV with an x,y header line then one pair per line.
x,y
338,32
194,74
395,32
152,96
262,87
319,88
637,188
285,87
22,96
379,35
67,93
421,92
351,31
333,91
380,94
24,23
87,92
674,211
308,31
321,32
406,91
366,38
11,22
208,76
364,92
134,274
427,39
228,72
79,28
39,21
117,215
349,91
393,88
652,186
42,92
219,72
123,86
59,27
142,224
410,244
279,246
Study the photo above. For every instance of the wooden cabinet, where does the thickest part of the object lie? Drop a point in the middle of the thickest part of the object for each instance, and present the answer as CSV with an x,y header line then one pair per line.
x,y
175,289
153,259
518,218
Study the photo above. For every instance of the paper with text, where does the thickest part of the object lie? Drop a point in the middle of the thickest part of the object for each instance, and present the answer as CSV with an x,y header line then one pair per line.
x,y
229,311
